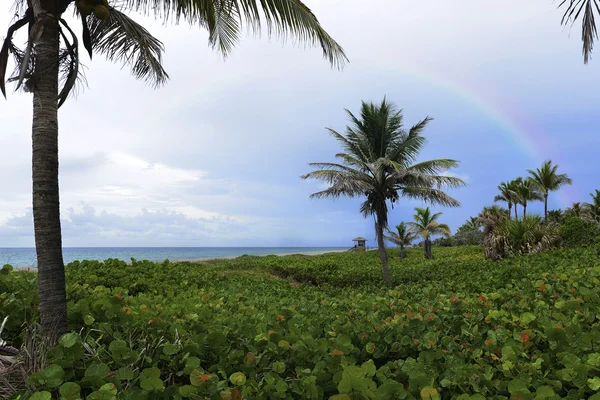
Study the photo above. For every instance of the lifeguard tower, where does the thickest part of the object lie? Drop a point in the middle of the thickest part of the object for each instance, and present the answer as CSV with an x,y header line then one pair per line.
x,y
360,244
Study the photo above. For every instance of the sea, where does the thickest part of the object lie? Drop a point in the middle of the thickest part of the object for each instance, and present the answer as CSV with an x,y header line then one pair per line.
x,y
23,257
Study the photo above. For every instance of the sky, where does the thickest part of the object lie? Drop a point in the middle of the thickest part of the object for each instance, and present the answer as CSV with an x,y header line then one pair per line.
x,y
213,158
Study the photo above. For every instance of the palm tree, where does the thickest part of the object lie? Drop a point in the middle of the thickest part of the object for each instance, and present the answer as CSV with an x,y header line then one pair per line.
x,y
547,180
426,225
527,191
575,210
591,211
507,195
403,237
378,163
111,32
472,224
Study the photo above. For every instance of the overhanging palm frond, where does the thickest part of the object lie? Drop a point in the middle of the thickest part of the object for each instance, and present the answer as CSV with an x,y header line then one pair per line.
x,y
122,39
282,17
434,166
430,195
586,9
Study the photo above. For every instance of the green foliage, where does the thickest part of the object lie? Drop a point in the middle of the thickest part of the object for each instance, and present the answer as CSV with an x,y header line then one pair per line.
x,y
468,238
577,232
458,326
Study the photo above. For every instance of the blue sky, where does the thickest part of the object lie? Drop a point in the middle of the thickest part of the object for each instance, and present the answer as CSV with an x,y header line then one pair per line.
x,y
214,157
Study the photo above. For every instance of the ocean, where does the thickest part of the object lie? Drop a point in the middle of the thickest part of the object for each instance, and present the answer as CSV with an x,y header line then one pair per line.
x,y
23,257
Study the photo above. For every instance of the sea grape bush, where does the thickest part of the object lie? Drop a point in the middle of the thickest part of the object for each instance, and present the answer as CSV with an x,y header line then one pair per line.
x,y
455,327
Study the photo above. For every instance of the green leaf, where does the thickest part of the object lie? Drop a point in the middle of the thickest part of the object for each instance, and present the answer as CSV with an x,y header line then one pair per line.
x,y
238,378
70,391
170,349
369,368
41,396
109,387
54,375
88,319
124,374
544,392
187,391
279,367
197,377
526,318
151,373
281,387
69,340
97,370
430,393
516,385
152,384
594,383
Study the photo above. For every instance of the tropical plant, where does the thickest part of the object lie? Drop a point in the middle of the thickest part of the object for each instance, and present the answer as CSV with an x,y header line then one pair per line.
x,y
527,191
472,224
425,225
492,216
577,232
402,237
53,51
556,216
508,195
515,237
547,180
377,163
574,211
468,238
591,211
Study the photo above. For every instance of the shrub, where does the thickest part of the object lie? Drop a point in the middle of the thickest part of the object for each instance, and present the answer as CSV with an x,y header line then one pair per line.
x,y
468,238
576,232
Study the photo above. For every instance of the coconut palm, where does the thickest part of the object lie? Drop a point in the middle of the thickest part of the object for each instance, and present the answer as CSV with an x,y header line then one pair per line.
x,y
426,225
591,211
507,195
527,191
52,56
472,224
378,163
575,210
402,237
547,180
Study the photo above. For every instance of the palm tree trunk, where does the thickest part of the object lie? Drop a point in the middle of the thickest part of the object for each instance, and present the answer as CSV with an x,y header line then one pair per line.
x,y
382,253
428,254
46,214
516,213
524,210
509,210
402,252
545,207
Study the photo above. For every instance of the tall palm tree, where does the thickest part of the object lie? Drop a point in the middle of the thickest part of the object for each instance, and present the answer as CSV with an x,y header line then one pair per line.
x,y
402,237
507,195
378,163
53,51
547,180
527,191
426,225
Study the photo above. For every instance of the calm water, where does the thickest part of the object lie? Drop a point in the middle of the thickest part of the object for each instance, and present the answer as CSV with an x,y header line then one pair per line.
x,y
25,257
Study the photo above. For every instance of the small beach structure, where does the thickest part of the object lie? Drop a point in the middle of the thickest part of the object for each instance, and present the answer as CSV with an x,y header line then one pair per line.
x,y
359,244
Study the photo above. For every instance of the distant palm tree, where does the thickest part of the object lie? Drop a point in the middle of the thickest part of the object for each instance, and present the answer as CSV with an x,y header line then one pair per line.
x,y
556,216
591,211
547,180
472,224
426,225
575,210
527,191
377,163
507,195
402,237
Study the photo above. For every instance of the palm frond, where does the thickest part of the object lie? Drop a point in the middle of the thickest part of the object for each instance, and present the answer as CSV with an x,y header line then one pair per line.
x,y
430,195
587,9
122,39
224,20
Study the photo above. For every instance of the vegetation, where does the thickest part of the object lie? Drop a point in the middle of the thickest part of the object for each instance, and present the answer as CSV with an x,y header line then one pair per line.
x,y
425,225
378,163
458,327
111,32
547,180
402,237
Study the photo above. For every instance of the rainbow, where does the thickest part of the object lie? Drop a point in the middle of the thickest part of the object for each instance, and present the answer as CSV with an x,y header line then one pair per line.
x,y
528,138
